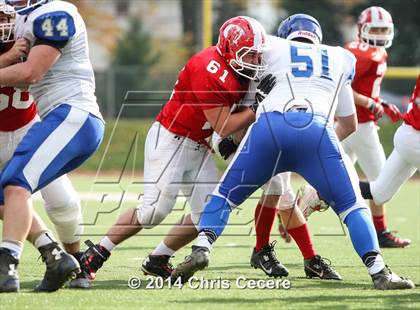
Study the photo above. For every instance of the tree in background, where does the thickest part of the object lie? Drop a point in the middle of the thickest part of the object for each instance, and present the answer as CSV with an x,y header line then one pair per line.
x,y
134,58
225,9
102,25
191,24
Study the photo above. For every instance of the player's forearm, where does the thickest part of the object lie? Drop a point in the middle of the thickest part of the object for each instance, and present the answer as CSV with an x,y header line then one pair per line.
x,y
235,122
18,74
341,132
5,60
361,100
237,136
345,126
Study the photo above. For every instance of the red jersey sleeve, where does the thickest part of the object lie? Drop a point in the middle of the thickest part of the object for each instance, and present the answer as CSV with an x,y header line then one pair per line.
x,y
412,117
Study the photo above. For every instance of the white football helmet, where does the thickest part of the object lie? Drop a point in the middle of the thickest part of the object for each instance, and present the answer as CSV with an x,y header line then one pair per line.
x,y
7,23
376,27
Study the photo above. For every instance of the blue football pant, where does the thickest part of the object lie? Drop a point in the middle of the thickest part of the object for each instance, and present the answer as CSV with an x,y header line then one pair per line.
x,y
297,142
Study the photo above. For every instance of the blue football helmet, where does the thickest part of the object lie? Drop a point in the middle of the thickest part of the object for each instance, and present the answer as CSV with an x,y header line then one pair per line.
x,y
24,7
300,26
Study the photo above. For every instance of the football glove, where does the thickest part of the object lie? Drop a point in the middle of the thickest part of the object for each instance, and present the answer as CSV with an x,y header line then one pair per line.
x,y
392,111
376,108
263,89
227,147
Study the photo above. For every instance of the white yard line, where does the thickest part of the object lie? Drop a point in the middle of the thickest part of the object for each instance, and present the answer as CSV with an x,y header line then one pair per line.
x,y
107,197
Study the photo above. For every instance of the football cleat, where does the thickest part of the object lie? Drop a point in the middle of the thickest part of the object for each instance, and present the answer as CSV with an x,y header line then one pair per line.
x,y
82,279
60,268
197,260
283,231
158,266
93,259
318,267
387,280
267,261
9,279
309,201
388,240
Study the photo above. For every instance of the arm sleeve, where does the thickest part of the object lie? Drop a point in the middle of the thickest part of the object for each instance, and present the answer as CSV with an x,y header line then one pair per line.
x,y
345,106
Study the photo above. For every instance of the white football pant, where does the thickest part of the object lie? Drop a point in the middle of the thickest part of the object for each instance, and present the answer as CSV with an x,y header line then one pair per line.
x,y
400,165
364,147
171,164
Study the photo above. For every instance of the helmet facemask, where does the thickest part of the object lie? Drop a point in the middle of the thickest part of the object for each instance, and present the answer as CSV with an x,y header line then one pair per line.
x,y
7,23
377,35
376,27
247,69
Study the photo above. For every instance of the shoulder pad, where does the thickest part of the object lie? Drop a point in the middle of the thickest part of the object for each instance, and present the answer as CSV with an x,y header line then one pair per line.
x,y
54,26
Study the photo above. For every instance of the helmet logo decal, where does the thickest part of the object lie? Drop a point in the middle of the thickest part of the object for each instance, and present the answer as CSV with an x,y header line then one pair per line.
x,y
236,32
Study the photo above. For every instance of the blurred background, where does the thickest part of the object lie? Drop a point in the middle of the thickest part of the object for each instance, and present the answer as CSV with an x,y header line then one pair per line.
x,y
141,45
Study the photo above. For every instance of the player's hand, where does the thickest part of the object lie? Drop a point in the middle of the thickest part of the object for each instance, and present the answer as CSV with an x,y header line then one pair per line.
x,y
227,147
376,108
392,111
19,51
263,89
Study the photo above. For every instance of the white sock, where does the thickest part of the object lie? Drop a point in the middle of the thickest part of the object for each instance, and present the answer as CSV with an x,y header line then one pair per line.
x,y
203,241
46,237
162,249
107,244
377,265
15,247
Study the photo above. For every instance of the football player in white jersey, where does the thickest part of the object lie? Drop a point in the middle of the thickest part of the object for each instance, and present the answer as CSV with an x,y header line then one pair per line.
x,y
278,197
60,77
294,132
17,115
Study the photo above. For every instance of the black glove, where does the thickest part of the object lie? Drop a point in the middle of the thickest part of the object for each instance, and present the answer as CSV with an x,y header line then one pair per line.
x,y
263,89
227,147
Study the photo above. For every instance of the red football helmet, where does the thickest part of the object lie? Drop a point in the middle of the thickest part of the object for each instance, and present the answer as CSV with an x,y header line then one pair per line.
x,y
241,36
7,23
376,27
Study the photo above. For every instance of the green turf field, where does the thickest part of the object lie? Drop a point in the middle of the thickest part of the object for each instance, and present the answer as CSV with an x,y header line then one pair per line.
x,y
229,260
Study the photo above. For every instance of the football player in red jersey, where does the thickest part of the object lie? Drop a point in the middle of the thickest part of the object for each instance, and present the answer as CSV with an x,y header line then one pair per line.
x,y
17,114
404,159
177,154
376,31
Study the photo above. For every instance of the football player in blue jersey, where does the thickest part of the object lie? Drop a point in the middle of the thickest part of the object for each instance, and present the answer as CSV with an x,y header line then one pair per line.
x,y
294,132
61,79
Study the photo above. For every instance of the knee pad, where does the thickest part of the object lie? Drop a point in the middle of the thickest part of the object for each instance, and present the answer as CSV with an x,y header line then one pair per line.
x,y
67,219
360,204
150,215
287,201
